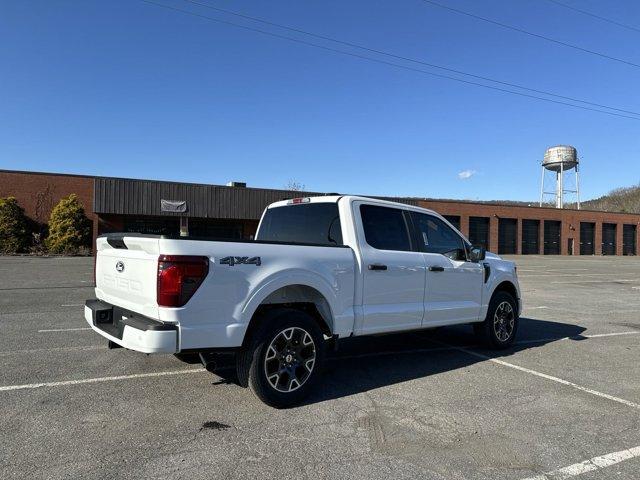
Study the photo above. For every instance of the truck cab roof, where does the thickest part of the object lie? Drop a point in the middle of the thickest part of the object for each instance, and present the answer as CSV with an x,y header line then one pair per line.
x,y
348,199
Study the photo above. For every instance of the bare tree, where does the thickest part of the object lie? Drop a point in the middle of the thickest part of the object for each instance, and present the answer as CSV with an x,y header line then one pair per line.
x,y
295,186
44,204
625,199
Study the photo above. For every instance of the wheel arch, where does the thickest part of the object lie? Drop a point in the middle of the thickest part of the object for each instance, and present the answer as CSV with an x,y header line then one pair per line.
x,y
510,288
296,296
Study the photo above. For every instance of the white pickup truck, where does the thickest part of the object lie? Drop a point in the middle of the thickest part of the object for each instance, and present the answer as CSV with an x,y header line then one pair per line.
x,y
320,269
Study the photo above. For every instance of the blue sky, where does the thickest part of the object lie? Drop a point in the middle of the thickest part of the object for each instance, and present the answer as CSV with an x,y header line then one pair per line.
x,y
124,88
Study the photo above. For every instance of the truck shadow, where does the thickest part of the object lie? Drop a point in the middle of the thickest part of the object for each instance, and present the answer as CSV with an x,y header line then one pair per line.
x,y
366,363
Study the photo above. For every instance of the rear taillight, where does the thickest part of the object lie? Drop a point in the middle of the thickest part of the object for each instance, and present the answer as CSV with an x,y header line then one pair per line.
x,y
179,276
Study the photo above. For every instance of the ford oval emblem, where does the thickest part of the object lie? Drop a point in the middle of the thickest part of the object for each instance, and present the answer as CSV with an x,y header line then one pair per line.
x,y
120,266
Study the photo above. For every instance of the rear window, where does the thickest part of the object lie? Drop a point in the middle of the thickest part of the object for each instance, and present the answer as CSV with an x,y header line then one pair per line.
x,y
317,223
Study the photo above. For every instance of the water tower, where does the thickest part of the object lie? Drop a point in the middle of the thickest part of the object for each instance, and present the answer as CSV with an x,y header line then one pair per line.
x,y
560,160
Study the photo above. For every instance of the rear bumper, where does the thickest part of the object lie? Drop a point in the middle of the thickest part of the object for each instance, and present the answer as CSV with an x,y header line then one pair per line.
x,y
131,330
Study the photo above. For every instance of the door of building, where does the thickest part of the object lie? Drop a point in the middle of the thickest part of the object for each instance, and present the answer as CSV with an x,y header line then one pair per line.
x,y
587,238
608,238
530,237
552,237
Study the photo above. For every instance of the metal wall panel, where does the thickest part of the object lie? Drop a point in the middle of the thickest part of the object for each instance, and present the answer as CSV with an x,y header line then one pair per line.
x,y
122,196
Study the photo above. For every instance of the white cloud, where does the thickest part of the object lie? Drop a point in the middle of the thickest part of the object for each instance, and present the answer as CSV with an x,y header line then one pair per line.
x,y
466,174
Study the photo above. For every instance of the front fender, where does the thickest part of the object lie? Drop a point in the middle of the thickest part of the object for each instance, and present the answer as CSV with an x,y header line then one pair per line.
x,y
501,271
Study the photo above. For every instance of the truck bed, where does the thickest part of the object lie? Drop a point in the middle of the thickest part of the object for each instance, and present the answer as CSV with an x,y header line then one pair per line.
x,y
218,313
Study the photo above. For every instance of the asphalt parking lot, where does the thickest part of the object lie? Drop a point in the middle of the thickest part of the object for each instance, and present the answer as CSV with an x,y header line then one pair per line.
x,y
428,405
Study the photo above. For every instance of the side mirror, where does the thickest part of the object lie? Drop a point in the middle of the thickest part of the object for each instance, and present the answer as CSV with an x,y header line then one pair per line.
x,y
477,253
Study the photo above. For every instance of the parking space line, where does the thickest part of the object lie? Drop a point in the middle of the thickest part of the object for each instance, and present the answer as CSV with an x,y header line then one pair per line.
x,y
64,383
595,281
452,347
575,337
552,274
622,401
54,349
391,352
445,347
595,463
73,305
46,288
63,329
599,335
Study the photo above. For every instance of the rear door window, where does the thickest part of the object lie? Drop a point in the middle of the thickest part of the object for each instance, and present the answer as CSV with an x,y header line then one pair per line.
x,y
316,223
385,228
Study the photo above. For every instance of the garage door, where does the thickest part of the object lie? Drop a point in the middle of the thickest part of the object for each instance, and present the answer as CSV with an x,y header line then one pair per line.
x,y
608,238
507,236
587,238
479,231
453,220
552,237
530,237
629,240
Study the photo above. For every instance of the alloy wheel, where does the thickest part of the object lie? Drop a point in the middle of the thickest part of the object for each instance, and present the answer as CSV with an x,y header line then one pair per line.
x,y
290,359
504,321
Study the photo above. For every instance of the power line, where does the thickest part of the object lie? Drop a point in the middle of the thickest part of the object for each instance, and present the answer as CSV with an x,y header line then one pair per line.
x,y
532,34
384,62
399,57
604,19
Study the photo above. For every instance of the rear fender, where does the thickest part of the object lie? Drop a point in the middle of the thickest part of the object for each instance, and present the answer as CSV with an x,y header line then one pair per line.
x,y
295,277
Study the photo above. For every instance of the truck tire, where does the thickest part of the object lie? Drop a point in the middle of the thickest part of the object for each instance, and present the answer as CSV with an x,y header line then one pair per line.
x,y
283,363
499,328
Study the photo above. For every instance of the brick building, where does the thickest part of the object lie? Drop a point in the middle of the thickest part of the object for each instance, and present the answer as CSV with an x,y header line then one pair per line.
x,y
117,204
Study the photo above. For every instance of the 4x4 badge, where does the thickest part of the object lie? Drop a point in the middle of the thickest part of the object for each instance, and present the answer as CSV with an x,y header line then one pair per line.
x,y
231,261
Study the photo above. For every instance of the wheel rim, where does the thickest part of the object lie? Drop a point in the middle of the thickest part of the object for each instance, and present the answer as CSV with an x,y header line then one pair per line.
x,y
290,359
504,321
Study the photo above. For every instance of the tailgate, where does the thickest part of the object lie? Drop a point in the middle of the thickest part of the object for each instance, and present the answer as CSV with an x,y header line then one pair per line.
x,y
126,272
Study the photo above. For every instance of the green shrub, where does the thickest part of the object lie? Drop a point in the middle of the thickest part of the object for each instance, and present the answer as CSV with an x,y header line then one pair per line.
x,y
14,237
69,228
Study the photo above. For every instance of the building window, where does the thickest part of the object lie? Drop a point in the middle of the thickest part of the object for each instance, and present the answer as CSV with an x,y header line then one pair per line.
x,y
214,228
153,225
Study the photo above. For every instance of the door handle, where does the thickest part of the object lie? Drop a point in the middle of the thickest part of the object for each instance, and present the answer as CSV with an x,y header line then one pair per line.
x,y
436,269
377,266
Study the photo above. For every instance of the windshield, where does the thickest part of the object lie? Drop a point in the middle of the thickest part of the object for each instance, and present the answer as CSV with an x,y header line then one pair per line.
x,y
317,223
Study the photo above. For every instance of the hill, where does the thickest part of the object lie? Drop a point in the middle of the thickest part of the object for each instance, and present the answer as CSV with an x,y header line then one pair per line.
x,y
626,199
